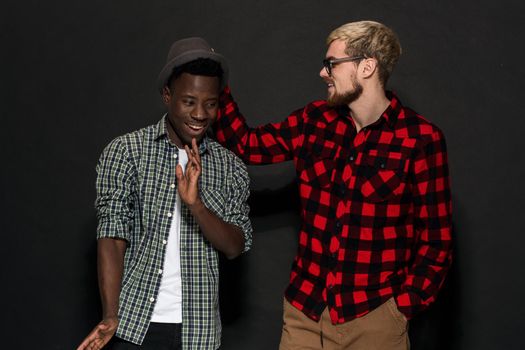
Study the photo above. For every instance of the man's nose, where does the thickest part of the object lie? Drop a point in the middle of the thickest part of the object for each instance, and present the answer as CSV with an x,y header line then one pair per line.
x,y
323,74
198,113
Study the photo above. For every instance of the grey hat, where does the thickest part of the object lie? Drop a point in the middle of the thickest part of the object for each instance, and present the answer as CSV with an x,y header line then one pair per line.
x,y
187,50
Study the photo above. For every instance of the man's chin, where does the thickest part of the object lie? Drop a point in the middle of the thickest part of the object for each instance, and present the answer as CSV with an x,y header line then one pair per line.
x,y
331,102
335,99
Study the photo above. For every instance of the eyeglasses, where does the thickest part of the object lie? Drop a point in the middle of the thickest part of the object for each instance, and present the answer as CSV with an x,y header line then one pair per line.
x,y
329,63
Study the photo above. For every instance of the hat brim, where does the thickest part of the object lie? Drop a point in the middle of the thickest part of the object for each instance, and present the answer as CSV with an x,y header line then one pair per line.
x,y
189,56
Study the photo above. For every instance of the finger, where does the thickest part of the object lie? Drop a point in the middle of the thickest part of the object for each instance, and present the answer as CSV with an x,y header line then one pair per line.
x,y
100,343
89,339
179,174
196,161
86,344
82,345
96,345
196,167
192,167
196,150
190,156
189,152
194,147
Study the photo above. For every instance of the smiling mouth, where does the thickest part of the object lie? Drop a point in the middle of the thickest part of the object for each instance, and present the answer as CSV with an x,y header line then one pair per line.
x,y
196,127
329,83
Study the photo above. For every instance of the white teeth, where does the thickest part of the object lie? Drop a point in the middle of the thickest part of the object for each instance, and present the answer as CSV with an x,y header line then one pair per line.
x,y
195,127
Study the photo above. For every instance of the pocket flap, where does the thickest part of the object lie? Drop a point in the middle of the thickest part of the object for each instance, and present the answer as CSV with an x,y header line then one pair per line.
x,y
384,161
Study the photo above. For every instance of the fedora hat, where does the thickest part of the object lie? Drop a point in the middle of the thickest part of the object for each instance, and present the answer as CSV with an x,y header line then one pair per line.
x,y
187,50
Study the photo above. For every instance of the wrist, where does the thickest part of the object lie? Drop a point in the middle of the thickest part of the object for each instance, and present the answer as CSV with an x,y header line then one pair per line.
x,y
196,206
109,312
109,316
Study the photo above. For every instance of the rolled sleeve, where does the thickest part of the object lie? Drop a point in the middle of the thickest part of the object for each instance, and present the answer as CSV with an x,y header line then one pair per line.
x,y
236,209
114,185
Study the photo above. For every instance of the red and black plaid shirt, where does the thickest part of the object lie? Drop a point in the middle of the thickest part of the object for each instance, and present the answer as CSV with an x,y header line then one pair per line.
x,y
375,204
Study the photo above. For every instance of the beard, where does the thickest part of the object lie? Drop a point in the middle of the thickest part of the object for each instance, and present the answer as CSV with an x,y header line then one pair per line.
x,y
346,98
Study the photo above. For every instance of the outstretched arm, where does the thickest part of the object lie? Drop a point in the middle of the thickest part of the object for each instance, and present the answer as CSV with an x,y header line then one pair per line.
x,y
110,253
266,144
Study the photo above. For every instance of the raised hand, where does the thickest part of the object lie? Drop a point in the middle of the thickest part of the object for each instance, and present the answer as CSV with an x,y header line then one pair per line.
x,y
188,181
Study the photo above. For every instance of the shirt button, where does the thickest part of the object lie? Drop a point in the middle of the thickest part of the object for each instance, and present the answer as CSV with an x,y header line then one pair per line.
x,y
382,165
164,242
175,155
338,224
160,271
351,158
152,299
172,186
169,215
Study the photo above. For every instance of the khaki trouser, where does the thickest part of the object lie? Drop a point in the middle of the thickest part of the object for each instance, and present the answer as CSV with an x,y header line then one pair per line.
x,y
384,328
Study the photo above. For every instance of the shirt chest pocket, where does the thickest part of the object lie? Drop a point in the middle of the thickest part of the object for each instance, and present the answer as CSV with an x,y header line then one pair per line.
x,y
381,176
317,167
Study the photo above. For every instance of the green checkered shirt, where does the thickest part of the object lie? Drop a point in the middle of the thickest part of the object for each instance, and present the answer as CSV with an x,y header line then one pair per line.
x,y
136,193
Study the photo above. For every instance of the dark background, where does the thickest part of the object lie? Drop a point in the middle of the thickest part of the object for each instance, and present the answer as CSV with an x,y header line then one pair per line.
x,y
74,75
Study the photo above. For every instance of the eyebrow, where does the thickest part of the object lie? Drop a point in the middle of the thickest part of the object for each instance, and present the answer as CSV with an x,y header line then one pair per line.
x,y
194,97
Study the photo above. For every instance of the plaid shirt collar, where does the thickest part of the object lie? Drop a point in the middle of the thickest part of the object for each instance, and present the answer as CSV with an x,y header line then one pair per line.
x,y
162,131
389,115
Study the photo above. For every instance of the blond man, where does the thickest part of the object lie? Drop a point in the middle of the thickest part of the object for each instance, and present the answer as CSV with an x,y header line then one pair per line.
x,y
375,238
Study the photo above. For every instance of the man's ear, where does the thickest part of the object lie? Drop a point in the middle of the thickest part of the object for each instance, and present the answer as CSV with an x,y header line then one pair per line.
x,y
166,95
368,67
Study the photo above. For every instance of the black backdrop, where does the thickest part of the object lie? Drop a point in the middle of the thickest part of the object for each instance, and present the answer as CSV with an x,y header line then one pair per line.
x,y
75,74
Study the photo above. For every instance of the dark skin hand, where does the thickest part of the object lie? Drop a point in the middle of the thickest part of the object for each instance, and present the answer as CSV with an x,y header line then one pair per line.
x,y
110,253
225,237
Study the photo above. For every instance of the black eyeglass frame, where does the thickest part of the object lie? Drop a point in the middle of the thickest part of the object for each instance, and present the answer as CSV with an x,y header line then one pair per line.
x,y
329,63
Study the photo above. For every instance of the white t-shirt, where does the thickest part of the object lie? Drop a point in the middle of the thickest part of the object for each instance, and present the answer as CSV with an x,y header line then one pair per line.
x,y
168,308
